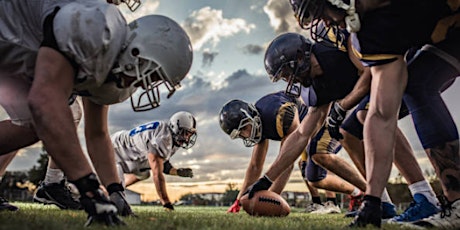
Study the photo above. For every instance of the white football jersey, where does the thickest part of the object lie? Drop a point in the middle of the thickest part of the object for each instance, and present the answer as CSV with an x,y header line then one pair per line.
x,y
132,146
89,32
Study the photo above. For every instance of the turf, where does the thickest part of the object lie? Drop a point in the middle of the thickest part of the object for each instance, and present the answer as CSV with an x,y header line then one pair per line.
x,y
38,217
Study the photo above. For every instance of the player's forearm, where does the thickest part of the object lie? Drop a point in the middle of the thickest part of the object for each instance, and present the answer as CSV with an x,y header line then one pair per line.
x,y
252,174
160,185
360,90
173,171
298,140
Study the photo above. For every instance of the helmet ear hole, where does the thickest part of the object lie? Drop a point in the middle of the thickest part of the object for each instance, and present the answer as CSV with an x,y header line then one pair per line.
x,y
135,52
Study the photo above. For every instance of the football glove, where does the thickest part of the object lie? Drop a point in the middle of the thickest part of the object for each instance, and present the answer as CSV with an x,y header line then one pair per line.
x,y
119,199
235,207
334,120
263,183
168,207
100,209
185,172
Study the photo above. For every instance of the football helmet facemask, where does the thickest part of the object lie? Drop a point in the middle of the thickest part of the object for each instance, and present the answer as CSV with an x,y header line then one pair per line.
x,y
310,13
131,4
288,58
235,115
157,52
183,127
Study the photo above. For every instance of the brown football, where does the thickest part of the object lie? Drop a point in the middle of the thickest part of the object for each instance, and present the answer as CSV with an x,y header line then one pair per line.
x,y
265,203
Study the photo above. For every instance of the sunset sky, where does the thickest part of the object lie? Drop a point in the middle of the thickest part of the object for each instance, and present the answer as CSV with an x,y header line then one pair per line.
x,y
229,40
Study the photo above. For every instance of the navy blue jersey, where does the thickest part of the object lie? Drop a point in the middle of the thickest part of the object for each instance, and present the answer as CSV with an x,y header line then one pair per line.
x,y
339,75
277,112
391,30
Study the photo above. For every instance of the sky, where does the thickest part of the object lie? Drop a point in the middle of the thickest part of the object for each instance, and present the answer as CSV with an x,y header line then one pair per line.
x,y
229,39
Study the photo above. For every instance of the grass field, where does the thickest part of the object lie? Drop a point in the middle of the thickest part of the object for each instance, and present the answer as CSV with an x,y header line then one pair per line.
x,y
38,217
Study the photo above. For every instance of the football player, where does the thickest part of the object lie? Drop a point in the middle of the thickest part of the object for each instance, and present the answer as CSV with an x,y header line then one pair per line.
x,y
149,147
275,117
85,48
406,158
54,189
383,32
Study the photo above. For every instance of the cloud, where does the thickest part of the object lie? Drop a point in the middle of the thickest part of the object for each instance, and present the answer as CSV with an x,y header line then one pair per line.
x,y
208,25
208,57
253,49
281,16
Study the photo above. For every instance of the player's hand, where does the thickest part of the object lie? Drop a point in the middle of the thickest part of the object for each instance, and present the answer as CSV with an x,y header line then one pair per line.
x,y
185,172
100,209
235,207
334,120
168,207
263,183
119,199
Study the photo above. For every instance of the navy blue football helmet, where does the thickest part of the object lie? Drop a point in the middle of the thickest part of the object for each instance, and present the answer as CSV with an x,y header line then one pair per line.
x,y
288,58
310,14
235,115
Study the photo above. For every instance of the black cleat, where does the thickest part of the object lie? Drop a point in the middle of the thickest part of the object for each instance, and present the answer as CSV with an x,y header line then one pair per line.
x,y
57,194
5,205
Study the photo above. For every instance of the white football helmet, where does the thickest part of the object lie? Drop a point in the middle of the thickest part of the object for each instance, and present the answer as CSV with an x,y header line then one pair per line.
x,y
183,128
157,51
131,4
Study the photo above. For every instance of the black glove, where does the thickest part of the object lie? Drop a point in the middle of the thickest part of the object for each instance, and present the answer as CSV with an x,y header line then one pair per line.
x,y
185,172
263,183
334,120
100,209
168,207
119,199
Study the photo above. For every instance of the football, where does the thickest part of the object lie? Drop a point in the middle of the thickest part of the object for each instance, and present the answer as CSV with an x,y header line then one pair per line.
x,y
265,203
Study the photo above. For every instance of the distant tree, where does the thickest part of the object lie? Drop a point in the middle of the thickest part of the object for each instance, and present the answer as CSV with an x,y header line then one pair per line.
x,y
37,172
230,194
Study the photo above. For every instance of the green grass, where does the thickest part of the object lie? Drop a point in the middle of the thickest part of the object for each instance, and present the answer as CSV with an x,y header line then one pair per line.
x,y
37,217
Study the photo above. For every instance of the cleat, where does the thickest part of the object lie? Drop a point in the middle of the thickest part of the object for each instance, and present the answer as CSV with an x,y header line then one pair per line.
x,y
313,207
369,213
388,210
5,205
419,208
328,208
447,218
57,194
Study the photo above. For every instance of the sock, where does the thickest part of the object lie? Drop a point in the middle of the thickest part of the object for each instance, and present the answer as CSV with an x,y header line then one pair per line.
x,y
386,197
53,176
424,188
355,192
333,199
316,199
